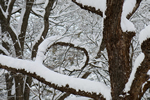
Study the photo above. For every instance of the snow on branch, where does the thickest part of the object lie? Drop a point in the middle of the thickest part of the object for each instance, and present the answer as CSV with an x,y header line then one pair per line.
x,y
58,81
126,25
4,50
96,6
144,34
138,62
43,47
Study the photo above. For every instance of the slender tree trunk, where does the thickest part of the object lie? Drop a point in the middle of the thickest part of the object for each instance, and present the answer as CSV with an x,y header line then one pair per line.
x,y
19,86
9,85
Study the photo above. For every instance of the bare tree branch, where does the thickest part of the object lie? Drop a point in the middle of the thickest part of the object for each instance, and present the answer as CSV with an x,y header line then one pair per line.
x,y
24,23
66,88
46,27
9,9
89,8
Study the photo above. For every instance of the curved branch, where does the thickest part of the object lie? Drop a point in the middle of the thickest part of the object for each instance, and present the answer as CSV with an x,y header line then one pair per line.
x,y
61,82
45,29
141,76
78,48
9,9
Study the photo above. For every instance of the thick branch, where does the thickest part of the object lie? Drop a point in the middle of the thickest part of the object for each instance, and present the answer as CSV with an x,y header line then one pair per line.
x,y
67,94
60,82
141,76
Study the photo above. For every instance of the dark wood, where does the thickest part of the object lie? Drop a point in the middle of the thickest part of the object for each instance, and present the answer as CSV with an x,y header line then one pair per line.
x,y
117,44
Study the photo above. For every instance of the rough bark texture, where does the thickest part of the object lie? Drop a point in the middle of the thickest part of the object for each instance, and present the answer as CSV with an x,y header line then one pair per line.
x,y
65,95
117,47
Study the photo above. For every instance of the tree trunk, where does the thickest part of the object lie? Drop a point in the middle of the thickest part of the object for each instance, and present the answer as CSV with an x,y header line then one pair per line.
x,y
117,44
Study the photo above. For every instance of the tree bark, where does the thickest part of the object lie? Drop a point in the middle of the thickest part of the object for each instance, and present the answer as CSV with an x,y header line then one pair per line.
x,y
117,44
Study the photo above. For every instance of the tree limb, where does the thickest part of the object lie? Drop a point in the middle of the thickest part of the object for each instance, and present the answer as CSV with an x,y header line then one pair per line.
x,y
24,22
89,8
141,76
28,68
46,27
9,9
134,9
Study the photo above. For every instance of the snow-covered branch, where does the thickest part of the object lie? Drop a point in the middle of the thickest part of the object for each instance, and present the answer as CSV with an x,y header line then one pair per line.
x,y
126,25
98,6
23,23
138,62
4,50
58,81
144,34
139,78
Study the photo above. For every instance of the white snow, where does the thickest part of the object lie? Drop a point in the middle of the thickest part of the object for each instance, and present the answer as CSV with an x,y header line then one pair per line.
x,y
77,98
144,34
127,25
43,46
138,62
49,41
97,4
56,78
148,73
39,1
46,3
4,50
